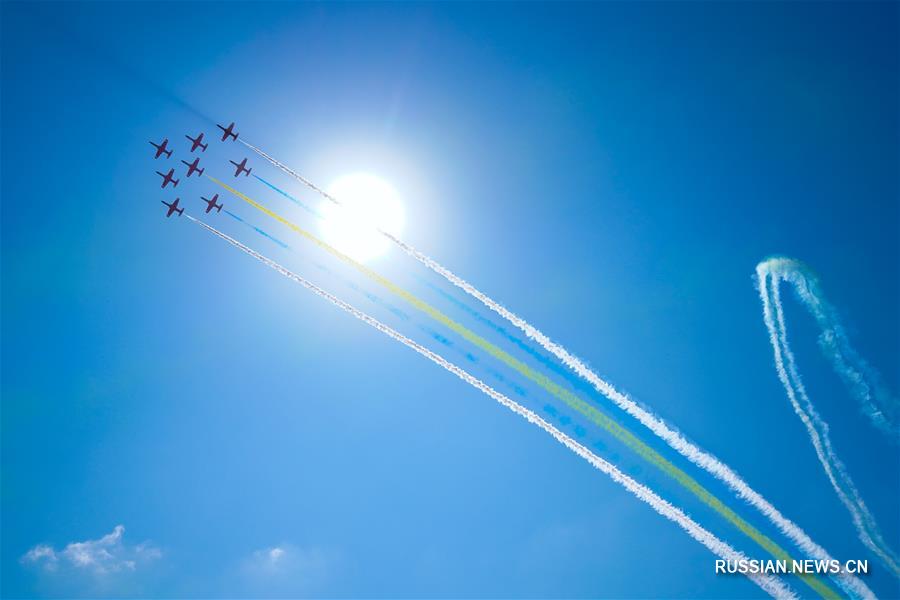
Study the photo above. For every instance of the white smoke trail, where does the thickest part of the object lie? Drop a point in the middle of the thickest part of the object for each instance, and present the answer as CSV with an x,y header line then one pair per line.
x,y
850,583
769,584
862,380
775,270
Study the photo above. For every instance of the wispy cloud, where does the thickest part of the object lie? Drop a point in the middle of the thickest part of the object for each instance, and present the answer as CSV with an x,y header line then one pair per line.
x,y
285,569
102,556
285,558
43,554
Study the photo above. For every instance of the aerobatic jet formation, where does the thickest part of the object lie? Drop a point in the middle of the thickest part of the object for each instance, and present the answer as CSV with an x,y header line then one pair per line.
x,y
173,208
193,167
197,142
161,148
228,131
241,167
168,178
211,204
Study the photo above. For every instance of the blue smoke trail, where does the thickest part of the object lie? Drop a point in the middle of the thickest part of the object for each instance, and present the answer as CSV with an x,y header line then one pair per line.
x,y
299,203
257,229
545,361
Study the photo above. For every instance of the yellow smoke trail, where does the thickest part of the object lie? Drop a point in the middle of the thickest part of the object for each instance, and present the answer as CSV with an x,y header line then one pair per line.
x,y
593,414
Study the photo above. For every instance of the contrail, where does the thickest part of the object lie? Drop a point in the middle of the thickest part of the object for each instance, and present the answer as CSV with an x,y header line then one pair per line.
x,y
655,424
595,415
769,584
846,362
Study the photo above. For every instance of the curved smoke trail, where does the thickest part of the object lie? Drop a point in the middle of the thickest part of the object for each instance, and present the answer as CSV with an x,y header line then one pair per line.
x,y
655,424
861,379
769,584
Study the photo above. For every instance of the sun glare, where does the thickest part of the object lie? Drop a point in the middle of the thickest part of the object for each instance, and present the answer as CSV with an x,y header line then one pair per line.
x,y
367,203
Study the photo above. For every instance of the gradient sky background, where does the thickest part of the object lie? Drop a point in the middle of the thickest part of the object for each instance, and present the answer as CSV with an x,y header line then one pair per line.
x,y
612,172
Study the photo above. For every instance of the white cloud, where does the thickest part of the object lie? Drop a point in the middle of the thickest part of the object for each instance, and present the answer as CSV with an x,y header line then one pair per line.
x,y
285,558
272,555
285,569
44,554
108,554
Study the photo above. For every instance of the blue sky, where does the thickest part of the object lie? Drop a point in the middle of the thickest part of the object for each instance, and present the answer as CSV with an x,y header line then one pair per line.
x,y
613,172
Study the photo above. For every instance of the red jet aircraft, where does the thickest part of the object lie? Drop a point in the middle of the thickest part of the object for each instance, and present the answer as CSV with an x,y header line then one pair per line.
x,y
197,142
161,148
241,168
173,208
194,166
228,131
211,203
168,178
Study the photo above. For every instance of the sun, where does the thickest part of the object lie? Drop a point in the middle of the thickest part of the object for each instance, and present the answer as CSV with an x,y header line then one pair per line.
x,y
367,204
